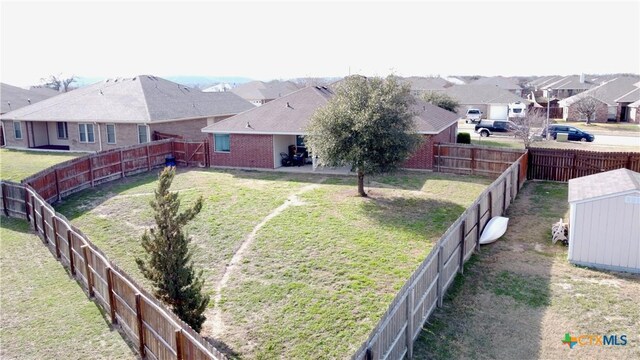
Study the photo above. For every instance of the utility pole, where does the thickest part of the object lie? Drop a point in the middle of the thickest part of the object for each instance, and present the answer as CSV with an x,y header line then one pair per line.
x,y
546,125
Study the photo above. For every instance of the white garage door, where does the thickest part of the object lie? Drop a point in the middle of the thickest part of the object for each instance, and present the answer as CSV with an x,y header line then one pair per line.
x,y
498,112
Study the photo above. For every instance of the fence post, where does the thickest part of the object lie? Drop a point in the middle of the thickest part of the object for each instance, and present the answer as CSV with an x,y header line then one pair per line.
x,y
72,265
478,221
121,164
440,282
463,230
45,238
473,161
148,158
490,195
179,353
504,196
91,170
140,325
409,332
26,203
438,158
112,302
55,172
33,214
4,199
56,241
85,253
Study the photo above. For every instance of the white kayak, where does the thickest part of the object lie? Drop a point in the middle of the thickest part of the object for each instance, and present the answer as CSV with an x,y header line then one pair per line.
x,y
495,228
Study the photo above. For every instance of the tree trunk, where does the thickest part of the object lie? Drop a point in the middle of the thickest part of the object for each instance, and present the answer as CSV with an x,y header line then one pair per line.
x,y
361,184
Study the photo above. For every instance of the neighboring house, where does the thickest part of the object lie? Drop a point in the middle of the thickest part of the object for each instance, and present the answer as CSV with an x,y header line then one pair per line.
x,y
259,93
256,138
221,87
634,113
506,83
420,85
607,95
116,113
13,98
490,99
603,215
624,110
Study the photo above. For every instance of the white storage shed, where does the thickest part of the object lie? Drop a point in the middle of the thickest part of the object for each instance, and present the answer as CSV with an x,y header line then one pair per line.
x,y
605,220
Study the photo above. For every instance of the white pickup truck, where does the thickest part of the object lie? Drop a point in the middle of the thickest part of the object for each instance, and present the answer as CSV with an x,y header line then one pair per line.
x,y
473,116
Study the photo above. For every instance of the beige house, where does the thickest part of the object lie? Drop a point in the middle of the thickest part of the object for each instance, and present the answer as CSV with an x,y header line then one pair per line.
x,y
116,113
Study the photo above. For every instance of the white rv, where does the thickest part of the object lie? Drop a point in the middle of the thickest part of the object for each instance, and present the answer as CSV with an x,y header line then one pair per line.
x,y
517,109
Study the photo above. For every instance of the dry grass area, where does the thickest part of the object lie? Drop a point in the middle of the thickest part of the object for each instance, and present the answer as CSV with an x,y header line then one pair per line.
x,y
519,296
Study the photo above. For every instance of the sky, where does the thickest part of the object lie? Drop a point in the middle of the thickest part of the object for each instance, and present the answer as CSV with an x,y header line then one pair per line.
x,y
278,40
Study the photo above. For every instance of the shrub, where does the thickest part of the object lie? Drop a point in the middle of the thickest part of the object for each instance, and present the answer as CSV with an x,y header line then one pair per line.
x,y
464,138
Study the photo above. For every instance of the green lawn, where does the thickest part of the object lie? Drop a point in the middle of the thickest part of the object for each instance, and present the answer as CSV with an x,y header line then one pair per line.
x,y
45,314
16,165
318,276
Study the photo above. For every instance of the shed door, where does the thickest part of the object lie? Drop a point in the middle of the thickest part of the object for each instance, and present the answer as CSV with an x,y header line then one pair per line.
x,y
498,112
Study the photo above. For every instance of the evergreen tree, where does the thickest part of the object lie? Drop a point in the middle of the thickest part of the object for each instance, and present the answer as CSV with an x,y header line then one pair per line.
x,y
168,258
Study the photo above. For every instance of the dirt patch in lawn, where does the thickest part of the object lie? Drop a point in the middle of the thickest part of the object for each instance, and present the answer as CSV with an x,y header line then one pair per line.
x,y
520,295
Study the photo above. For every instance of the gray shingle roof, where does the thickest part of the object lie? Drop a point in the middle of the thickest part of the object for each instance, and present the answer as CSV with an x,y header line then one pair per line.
x,y
571,82
499,81
607,92
290,114
603,184
258,90
426,83
143,98
630,97
13,97
482,94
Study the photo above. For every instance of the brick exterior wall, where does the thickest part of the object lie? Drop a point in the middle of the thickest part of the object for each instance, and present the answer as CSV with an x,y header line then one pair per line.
x,y
188,129
126,134
245,151
9,134
573,115
422,159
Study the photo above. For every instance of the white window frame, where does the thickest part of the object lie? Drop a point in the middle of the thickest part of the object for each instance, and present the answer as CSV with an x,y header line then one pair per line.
x,y
115,137
215,145
65,130
17,130
86,132
147,133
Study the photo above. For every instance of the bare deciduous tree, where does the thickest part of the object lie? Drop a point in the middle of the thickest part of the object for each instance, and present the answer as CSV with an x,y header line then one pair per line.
x,y
58,82
587,107
528,125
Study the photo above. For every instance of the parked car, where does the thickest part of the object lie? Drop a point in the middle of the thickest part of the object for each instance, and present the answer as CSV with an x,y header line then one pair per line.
x,y
473,116
574,134
487,127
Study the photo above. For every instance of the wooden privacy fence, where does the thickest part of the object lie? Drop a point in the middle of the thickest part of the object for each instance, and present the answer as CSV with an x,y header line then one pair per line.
x,y
566,164
396,332
154,329
90,170
473,159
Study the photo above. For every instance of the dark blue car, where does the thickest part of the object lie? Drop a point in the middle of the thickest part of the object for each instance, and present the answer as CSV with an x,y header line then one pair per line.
x,y
574,134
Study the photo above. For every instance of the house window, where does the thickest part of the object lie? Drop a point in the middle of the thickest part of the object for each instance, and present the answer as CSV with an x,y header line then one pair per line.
x,y
300,141
111,133
17,129
86,133
143,134
222,143
63,132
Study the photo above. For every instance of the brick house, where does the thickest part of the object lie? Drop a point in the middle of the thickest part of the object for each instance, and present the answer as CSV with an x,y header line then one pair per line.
x,y
607,94
14,98
116,113
625,112
261,137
